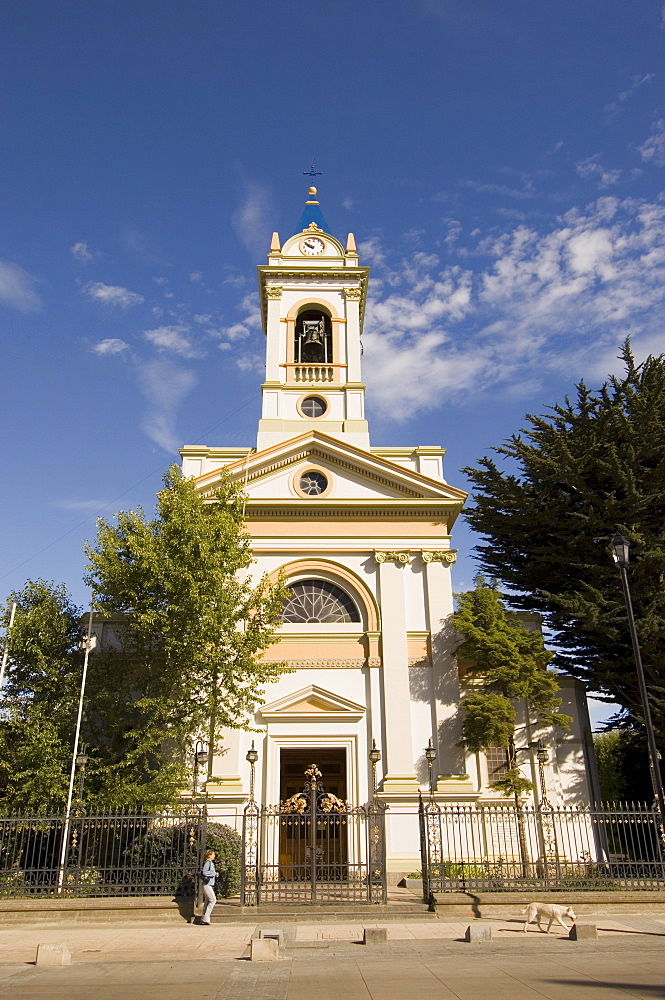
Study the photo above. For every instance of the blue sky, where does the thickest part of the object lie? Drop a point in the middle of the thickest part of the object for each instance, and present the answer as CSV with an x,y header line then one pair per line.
x,y
501,166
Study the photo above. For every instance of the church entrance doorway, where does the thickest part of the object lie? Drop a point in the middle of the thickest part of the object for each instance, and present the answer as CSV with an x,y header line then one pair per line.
x,y
326,845
315,846
331,762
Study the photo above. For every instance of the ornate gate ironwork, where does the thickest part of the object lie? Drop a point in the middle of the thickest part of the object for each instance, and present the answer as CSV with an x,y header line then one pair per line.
x,y
123,853
505,847
314,848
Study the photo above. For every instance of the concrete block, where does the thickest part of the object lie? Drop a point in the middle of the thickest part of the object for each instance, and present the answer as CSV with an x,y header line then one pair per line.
x,y
264,950
375,935
583,932
272,934
53,954
478,932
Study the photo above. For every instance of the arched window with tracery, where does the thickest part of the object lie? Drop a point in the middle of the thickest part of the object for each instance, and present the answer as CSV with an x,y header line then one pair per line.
x,y
313,338
319,601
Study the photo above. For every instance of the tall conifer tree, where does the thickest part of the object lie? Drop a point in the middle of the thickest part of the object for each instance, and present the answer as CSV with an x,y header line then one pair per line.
x,y
572,477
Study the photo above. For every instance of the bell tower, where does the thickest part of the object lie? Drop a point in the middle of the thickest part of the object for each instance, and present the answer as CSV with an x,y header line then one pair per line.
x,y
313,293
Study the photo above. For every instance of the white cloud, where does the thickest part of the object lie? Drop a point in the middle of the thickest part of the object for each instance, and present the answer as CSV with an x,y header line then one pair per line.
x,y
164,385
238,331
196,277
16,288
81,252
592,168
172,338
615,107
80,504
110,346
536,302
528,191
112,295
251,221
652,149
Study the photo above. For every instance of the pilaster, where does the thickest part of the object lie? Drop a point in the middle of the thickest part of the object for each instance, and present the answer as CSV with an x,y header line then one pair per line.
x,y
352,296
439,596
400,773
274,333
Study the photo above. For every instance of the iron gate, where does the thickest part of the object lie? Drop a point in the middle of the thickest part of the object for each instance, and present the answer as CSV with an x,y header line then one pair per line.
x,y
314,848
508,847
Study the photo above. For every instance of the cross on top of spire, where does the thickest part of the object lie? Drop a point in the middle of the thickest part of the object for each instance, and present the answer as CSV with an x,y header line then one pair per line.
x,y
312,172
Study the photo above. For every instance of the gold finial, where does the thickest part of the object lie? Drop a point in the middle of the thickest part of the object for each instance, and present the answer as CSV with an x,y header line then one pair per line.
x,y
350,244
274,243
312,191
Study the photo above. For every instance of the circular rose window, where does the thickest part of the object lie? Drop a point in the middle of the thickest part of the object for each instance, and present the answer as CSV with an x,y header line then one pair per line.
x,y
313,483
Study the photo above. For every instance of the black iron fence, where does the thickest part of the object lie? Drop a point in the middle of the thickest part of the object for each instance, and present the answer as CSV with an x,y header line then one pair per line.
x,y
509,847
111,854
314,848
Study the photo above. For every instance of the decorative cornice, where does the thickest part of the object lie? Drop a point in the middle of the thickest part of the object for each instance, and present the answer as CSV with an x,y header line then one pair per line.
x,y
334,509
274,291
332,664
440,555
392,556
353,293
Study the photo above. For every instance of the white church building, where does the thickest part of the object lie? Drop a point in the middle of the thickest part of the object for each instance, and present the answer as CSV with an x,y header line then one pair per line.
x,y
364,538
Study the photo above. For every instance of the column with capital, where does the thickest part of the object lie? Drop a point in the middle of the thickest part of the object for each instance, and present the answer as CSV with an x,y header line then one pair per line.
x,y
447,693
400,772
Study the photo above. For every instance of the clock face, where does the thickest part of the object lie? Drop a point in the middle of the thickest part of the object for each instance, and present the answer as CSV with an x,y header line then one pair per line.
x,y
312,245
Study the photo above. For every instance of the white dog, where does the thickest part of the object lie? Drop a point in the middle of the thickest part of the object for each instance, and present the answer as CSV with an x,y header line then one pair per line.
x,y
540,911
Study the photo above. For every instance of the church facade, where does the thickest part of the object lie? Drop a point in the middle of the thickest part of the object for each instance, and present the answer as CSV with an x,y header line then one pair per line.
x,y
363,536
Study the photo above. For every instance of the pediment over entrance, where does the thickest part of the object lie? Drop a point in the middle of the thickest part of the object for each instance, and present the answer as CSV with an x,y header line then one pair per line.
x,y
313,702
356,474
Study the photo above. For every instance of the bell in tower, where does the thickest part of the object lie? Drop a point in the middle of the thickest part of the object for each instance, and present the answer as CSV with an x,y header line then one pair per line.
x,y
313,338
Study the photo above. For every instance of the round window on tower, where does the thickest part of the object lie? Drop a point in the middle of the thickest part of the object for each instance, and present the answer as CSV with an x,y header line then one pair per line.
x,y
312,482
312,407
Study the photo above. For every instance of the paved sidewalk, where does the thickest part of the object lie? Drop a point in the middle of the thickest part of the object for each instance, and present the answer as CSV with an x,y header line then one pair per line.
x,y
421,960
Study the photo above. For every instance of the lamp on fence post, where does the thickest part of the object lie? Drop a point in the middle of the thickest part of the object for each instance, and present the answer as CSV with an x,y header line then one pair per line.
x,y
542,756
430,757
620,548
81,761
374,757
251,757
201,757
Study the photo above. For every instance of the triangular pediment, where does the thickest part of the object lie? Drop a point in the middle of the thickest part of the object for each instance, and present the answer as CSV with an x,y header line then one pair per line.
x,y
313,702
359,474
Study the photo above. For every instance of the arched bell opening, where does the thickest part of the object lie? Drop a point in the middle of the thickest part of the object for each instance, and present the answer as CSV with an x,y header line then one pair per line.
x,y
313,340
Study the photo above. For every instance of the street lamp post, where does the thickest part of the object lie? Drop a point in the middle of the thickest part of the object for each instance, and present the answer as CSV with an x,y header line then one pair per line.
x,y
201,757
621,554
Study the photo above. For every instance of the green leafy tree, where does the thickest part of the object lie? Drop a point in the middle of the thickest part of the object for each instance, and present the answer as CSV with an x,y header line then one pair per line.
x,y
504,663
572,476
38,708
191,631
187,661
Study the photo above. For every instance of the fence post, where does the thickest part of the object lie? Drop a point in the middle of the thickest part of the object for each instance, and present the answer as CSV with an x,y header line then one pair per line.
x,y
424,847
249,870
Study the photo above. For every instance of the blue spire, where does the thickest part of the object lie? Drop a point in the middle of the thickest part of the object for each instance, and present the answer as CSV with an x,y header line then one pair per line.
x,y
312,213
